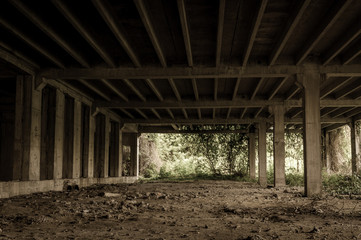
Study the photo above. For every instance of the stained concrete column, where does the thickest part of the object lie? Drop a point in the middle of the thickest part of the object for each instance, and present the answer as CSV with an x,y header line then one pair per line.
x,y
310,80
134,154
114,150
106,147
59,135
27,131
262,154
279,146
252,154
91,147
77,139
355,148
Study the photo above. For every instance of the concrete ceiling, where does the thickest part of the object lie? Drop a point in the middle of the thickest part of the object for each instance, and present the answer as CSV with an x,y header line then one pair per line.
x,y
164,62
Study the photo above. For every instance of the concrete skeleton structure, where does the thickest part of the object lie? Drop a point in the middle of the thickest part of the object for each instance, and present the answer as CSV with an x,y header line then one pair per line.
x,y
81,79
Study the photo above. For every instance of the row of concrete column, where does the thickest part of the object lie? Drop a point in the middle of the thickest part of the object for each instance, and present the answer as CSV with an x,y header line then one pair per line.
x,y
310,82
57,137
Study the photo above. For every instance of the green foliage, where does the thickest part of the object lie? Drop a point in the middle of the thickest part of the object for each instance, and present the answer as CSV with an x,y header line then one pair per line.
x,y
294,179
342,184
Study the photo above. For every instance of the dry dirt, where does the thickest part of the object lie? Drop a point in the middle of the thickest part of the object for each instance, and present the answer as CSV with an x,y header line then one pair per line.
x,y
179,210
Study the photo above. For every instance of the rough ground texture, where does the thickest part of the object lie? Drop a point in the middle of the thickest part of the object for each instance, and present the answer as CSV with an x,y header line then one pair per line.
x,y
179,210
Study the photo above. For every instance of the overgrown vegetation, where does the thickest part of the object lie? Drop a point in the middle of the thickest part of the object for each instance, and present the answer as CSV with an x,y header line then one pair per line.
x,y
225,156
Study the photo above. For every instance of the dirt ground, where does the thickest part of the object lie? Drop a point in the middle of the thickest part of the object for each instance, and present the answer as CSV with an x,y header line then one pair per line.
x,y
179,210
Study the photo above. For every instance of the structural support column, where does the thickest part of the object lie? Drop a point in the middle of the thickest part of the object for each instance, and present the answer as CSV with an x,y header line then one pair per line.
x,y
77,139
310,80
355,154
106,150
134,154
59,135
252,154
262,154
114,150
91,147
279,146
27,131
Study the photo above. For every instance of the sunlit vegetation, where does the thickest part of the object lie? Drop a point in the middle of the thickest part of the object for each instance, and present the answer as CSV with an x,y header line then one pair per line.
x,y
225,156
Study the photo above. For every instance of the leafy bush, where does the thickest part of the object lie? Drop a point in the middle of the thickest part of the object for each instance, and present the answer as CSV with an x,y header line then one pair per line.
x,y
294,179
342,184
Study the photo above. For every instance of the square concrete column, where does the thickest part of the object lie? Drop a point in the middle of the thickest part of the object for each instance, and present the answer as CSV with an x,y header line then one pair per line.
x,y
91,147
279,146
27,131
106,147
77,139
252,154
59,135
355,149
114,150
262,154
134,154
310,80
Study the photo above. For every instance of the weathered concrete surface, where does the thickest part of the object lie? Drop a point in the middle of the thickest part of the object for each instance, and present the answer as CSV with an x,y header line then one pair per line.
x,y
252,155
262,154
279,146
312,131
14,188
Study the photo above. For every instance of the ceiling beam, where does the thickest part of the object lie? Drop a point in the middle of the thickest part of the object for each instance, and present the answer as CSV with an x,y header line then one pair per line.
x,y
352,53
346,39
236,87
328,111
141,113
259,84
353,112
32,43
185,31
195,89
185,113
154,89
223,104
197,121
114,89
291,25
334,86
157,129
217,104
18,54
294,89
170,113
334,127
199,113
156,113
175,89
69,15
17,62
342,111
105,11
221,11
50,32
352,88
94,89
254,71
127,113
322,29
142,10
254,30
277,88
135,90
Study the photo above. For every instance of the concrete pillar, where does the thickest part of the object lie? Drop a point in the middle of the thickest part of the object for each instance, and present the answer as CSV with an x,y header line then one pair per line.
x,y
106,146
114,150
100,146
134,154
68,145
327,152
91,147
85,121
252,154
355,148
279,146
262,155
120,158
77,139
59,135
27,131
310,80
